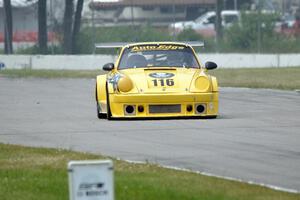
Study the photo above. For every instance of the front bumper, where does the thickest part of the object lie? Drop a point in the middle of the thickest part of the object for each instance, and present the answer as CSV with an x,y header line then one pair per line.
x,y
164,105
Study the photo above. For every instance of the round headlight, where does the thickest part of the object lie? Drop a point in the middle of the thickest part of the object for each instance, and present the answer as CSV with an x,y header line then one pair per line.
x,y
202,83
125,84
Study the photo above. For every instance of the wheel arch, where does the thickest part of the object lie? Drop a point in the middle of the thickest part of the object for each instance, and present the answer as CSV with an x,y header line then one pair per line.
x,y
214,83
100,93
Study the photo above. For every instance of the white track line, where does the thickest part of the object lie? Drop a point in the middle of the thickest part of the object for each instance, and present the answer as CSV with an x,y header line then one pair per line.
x,y
217,176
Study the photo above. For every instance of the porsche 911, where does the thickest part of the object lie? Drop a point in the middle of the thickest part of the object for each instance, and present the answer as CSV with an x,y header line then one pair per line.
x,y
156,80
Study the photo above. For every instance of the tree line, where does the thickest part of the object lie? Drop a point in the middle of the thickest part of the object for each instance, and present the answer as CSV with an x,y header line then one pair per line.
x,y
71,26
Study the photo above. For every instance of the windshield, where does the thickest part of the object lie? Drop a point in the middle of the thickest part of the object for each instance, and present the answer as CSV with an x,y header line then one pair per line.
x,y
158,56
202,18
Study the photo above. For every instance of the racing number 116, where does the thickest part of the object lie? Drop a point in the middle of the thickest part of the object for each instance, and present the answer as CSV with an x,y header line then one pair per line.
x,y
163,82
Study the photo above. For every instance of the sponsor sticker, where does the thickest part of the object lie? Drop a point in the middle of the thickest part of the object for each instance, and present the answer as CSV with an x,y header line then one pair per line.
x,y
91,180
156,47
161,75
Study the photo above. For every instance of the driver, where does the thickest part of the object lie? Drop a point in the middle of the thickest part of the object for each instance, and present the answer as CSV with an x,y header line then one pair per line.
x,y
174,59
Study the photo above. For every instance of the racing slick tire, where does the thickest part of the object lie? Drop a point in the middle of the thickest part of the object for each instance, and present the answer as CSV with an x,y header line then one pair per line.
x,y
108,115
100,115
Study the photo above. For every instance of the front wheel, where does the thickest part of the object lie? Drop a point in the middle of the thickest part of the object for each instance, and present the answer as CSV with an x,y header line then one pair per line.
x,y
108,115
100,115
211,117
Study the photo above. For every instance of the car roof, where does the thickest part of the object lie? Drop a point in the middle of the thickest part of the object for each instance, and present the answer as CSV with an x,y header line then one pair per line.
x,y
210,13
234,12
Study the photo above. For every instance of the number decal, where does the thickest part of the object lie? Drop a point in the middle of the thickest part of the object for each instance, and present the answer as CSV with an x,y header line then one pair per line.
x,y
163,82
170,82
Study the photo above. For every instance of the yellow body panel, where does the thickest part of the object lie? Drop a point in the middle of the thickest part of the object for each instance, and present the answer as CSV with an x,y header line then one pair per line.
x,y
177,96
117,103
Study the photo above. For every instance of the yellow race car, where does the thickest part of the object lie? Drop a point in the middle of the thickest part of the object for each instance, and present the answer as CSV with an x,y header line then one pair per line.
x,y
156,79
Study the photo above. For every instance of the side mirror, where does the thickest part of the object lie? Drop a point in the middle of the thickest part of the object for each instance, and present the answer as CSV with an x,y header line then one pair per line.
x,y
210,65
108,67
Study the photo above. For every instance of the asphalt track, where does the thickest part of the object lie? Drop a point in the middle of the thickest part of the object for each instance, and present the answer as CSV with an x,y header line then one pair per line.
x,y
256,138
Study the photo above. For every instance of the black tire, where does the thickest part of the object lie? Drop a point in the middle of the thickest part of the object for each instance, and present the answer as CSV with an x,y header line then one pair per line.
x,y
212,117
100,115
108,115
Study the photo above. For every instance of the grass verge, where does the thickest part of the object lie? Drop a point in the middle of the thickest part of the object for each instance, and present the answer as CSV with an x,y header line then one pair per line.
x,y
273,78
41,73
40,174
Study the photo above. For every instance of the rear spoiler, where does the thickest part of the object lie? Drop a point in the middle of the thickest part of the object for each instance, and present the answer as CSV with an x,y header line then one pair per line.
x,y
117,45
112,45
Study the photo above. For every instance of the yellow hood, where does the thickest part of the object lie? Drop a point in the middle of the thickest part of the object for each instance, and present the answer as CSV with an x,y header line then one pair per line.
x,y
162,80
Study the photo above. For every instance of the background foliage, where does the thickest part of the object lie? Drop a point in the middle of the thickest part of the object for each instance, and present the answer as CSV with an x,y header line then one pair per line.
x,y
244,36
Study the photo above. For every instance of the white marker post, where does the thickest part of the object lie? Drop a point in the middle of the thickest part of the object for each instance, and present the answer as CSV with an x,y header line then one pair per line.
x,y
91,180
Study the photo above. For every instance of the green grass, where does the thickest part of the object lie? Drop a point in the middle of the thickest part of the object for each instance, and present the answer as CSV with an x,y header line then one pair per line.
x,y
18,73
41,174
274,78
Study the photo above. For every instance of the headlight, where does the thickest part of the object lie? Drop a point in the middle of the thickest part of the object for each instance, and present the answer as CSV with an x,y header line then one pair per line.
x,y
125,84
202,83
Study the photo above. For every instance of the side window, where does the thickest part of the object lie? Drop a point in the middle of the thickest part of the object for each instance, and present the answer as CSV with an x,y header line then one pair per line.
x,y
230,19
211,20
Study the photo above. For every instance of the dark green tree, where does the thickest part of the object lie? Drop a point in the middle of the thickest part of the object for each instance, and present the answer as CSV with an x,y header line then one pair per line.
x,y
8,27
76,27
244,37
42,26
67,26
218,24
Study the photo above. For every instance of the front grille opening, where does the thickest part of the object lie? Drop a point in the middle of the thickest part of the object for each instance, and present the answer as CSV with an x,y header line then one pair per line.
x,y
153,109
189,108
141,108
200,108
129,109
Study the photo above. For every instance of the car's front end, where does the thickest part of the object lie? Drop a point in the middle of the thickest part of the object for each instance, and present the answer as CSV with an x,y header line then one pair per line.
x,y
160,85
192,93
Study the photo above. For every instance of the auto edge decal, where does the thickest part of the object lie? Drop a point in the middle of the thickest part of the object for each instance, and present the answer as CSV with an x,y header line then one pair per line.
x,y
157,47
